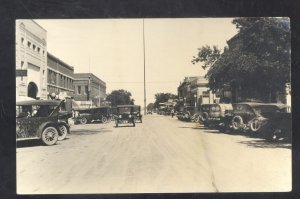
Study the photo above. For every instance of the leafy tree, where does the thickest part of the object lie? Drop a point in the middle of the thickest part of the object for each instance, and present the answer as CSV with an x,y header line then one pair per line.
x,y
257,60
163,97
120,97
150,106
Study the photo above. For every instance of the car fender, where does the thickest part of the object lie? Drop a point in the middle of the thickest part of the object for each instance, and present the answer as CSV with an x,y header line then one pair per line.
x,y
44,125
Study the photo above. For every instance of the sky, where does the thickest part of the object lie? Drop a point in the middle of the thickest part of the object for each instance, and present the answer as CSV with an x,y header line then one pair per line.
x,y
112,49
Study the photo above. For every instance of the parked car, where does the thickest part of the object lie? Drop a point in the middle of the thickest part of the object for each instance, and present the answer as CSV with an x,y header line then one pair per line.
x,y
265,118
125,115
214,114
137,113
38,119
88,115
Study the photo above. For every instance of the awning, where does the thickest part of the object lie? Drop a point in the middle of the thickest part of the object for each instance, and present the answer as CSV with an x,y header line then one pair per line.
x,y
23,98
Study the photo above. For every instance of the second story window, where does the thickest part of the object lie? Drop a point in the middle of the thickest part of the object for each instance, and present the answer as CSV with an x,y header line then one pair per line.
x,y
22,40
79,90
29,44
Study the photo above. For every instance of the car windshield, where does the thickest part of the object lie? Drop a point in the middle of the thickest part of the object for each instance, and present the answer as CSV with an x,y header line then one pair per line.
x,y
124,110
136,109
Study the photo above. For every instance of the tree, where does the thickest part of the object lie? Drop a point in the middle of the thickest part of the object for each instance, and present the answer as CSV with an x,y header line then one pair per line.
x,y
120,97
150,106
163,97
257,60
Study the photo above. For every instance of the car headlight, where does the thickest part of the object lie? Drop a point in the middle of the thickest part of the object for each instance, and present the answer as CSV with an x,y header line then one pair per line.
x,y
138,114
120,116
130,116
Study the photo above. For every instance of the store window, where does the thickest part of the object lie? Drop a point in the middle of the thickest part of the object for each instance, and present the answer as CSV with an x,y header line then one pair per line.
x,y
86,90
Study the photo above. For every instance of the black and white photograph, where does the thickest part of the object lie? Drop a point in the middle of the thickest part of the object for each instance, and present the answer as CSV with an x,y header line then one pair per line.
x,y
153,105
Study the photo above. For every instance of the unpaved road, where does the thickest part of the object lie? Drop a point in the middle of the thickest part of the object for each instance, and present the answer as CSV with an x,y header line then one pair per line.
x,y
160,155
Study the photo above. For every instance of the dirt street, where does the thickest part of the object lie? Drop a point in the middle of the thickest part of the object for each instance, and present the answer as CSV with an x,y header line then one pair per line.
x,y
162,154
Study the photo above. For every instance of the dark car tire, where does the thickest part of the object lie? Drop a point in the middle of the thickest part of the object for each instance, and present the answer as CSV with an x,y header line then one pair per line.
x,y
83,120
117,123
64,131
141,120
236,122
255,125
104,120
204,116
49,135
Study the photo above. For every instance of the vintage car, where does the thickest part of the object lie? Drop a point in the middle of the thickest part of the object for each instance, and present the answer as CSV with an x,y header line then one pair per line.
x,y
125,115
213,114
269,119
185,113
137,113
88,115
39,119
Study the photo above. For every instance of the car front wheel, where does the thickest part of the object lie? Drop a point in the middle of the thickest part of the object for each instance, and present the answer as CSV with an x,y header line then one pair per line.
x,y
49,136
83,120
64,131
104,120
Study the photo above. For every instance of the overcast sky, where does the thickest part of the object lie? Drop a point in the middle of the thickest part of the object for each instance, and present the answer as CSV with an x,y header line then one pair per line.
x,y
112,49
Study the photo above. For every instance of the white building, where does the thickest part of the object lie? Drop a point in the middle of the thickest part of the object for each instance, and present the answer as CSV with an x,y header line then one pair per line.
x,y
31,59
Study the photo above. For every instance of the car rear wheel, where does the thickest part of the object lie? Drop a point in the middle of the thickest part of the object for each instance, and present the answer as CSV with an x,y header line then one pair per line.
x,y
64,131
49,135
117,123
83,120
104,120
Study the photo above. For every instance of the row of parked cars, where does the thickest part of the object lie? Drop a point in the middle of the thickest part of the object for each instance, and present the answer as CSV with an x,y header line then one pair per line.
x,y
270,120
121,114
48,120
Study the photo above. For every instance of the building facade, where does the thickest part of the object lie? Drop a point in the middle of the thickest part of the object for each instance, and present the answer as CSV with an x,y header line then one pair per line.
x,y
31,60
194,91
60,77
89,90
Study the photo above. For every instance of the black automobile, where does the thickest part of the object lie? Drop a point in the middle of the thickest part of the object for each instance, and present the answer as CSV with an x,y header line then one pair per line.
x,y
267,119
39,119
213,114
137,113
125,115
185,113
88,115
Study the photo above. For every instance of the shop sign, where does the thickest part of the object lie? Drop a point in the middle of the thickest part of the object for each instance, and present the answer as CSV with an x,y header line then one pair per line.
x,y
21,73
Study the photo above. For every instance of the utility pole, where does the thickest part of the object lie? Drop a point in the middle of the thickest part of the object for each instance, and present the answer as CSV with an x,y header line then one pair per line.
x,y
144,68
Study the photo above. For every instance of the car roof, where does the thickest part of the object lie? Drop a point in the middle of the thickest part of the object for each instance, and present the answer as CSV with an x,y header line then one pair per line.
x,y
100,107
119,106
39,102
255,104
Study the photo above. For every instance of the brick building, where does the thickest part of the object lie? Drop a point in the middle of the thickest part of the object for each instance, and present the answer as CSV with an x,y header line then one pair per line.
x,y
60,77
89,89
194,91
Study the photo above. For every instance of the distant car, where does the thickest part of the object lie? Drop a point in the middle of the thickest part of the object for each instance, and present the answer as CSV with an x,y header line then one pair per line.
x,y
213,114
137,113
38,119
266,118
185,113
124,115
87,115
